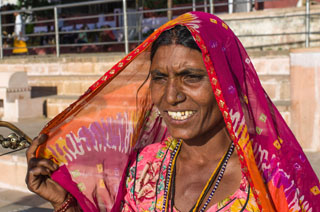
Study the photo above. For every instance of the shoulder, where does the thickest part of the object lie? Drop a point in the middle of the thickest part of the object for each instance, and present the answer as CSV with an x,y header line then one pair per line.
x,y
156,151
150,158
144,172
152,152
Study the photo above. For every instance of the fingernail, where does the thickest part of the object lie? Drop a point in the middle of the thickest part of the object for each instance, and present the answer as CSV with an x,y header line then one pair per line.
x,y
56,166
49,172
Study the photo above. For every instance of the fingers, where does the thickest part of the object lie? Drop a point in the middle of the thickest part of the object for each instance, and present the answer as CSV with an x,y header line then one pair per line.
x,y
31,152
35,162
39,168
37,177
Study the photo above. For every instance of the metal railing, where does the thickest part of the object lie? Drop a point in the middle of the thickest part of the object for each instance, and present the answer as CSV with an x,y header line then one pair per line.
x,y
124,28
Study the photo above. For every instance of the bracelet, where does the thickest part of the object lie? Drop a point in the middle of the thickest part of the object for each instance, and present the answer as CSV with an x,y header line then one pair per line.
x,y
66,204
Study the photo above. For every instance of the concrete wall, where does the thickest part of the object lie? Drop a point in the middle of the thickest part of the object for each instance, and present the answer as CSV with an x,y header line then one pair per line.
x,y
252,23
273,69
15,167
50,65
305,96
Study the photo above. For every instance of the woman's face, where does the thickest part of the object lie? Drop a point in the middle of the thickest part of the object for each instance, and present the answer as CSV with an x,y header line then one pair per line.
x,y
181,90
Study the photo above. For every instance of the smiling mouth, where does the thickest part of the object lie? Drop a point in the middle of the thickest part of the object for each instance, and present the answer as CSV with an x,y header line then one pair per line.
x,y
180,115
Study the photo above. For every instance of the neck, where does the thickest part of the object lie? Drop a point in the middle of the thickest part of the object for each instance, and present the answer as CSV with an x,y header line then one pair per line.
x,y
207,148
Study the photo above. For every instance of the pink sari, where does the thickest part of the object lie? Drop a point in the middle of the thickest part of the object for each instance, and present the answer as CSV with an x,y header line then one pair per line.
x,y
146,179
95,138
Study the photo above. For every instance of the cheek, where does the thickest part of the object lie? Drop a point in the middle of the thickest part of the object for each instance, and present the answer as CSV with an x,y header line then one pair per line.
x,y
205,96
155,94
209,104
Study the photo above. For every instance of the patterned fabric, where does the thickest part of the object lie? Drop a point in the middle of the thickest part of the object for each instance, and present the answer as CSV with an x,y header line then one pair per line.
x,y
96,138
148,172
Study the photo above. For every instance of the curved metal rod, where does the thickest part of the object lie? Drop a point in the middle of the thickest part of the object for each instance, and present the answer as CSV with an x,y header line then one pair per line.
x,y
16,130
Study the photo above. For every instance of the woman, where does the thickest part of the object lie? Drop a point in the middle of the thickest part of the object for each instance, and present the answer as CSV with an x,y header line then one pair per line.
x,y
200,135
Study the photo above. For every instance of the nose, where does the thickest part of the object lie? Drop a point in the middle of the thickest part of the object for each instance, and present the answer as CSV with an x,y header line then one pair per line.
x,y
174,93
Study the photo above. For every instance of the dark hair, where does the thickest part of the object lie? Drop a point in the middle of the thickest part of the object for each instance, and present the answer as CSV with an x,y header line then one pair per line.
x,y
177,35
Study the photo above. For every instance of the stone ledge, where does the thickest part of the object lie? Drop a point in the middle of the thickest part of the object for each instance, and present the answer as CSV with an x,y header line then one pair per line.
x,y
286,103
267,12
15,167
95,57
305,50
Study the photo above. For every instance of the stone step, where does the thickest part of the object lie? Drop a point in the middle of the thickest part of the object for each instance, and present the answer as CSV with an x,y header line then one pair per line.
x,y
74,64
15,166
73,84
56,104
273,64
277,86
65,84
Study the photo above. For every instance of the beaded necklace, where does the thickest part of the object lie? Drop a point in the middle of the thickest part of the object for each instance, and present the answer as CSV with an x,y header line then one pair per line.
x,y
170,179
223,168
173,158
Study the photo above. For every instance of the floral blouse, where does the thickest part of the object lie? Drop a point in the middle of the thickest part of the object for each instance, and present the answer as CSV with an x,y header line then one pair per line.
x,y
145,184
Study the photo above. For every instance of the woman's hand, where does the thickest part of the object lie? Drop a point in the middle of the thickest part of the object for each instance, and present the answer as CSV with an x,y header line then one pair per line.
x,y
38,176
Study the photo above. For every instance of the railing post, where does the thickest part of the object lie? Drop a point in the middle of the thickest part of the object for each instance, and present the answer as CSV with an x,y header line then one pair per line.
x,y
211,6
205,6
307,23
125,29
230,6
1,42
140,23
56,27
193,5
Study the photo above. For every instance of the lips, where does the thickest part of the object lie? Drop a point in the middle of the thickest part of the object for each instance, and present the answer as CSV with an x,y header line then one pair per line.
x,y
180,115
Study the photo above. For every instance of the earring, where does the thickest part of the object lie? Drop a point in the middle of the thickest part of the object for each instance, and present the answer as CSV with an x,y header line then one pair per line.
x,y
157,111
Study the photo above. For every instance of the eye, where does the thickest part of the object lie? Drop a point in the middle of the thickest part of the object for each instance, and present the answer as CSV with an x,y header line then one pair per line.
x,y
193,78
159,78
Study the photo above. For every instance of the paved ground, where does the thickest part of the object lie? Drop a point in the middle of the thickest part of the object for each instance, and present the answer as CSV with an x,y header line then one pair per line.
x,y
31,127
12,200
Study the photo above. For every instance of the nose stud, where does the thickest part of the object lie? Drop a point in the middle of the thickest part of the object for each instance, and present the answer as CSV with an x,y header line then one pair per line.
x,y
180,96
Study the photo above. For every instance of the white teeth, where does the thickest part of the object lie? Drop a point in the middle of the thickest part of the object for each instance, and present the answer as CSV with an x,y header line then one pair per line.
x,y
181,115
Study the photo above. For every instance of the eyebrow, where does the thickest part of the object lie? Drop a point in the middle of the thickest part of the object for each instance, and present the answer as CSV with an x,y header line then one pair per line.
x,y
188,71
157,72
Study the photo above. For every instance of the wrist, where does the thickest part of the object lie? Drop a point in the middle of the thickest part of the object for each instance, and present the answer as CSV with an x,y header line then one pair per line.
x,y
69,202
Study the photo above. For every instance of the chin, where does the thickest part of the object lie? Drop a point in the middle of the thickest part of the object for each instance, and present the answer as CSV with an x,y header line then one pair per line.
x,y
181,134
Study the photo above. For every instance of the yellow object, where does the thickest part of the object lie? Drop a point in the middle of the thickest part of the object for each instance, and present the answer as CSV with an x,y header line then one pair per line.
x,y
20,47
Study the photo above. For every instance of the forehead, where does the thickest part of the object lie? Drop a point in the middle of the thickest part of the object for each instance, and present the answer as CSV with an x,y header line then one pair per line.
x,y
176,56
